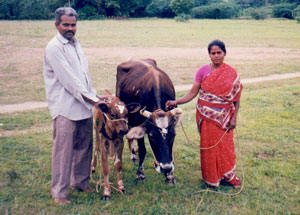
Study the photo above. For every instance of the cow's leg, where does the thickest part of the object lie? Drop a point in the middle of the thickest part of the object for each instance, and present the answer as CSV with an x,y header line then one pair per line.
x,y
106,170
142,154
118,166
133,156
170,178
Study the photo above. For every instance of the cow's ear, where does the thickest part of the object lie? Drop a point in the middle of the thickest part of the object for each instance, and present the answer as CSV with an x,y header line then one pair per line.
x,y
137,132
177,114
133,107
103,107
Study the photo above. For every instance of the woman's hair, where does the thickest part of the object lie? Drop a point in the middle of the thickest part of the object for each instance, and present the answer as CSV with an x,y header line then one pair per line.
x,y
218,43
64,11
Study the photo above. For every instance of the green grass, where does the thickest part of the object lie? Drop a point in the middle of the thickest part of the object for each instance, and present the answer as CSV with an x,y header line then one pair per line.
x,y
255,48
269,143
268,123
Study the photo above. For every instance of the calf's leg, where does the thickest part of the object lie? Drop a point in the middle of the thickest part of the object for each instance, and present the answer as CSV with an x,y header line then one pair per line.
x,y
118,166
106,170
97,152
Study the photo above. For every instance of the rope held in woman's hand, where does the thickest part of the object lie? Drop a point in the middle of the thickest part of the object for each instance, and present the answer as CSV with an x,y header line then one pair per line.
x,y
243,172
203,148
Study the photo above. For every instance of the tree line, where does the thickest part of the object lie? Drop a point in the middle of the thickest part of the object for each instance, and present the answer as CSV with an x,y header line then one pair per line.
x,y
180,9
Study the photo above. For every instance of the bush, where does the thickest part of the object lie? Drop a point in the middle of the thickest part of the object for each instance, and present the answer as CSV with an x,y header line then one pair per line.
x,y
284,10
181,7
160,8
257,13
296,13
87,12
216,11
182,17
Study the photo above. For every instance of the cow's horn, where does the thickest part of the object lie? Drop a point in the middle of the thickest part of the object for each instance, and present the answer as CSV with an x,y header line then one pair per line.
x,y
176,111
177,114
145,113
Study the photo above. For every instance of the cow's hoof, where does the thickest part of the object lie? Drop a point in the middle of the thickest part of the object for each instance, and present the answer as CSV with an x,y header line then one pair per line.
x,y
93,170
140,179
133,160
105,198
170,181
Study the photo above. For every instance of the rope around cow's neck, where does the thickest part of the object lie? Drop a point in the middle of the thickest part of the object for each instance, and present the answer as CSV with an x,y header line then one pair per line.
x,y
114,120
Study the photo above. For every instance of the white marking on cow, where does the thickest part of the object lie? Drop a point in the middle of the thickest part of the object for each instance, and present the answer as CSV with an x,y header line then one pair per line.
x,y
106,191
162,122
161,166
137,92
120,107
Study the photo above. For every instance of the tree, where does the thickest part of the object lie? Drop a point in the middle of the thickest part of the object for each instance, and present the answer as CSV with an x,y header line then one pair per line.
x,y
160,8
181,6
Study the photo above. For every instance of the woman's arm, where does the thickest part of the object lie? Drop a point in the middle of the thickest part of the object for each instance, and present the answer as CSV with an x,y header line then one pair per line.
x,y
232,123
186,98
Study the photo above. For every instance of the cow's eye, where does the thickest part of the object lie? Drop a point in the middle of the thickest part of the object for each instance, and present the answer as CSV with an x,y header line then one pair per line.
x,y
112,115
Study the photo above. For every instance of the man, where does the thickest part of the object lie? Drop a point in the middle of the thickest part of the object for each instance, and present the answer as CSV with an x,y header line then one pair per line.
x,y
70,98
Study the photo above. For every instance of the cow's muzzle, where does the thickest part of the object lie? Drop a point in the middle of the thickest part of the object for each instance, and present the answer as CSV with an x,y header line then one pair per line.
x,y
164,168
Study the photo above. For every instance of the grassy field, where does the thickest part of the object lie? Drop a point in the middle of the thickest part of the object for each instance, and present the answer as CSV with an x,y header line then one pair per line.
x,y
268,123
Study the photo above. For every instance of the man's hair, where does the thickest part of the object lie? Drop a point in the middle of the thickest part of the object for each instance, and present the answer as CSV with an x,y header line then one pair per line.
x,y
218,43
64,11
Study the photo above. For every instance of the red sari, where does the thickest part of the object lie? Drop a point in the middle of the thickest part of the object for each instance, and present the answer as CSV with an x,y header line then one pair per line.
x,y
215,107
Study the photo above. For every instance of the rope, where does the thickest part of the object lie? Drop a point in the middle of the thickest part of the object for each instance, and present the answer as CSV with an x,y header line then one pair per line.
x,y
100,183
242,166
115,120
204,148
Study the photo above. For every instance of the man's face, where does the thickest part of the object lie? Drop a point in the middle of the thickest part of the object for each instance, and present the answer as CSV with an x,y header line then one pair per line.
x,y
67,26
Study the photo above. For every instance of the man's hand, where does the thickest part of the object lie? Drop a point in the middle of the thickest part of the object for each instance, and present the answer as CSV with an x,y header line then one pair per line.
x,y
103,97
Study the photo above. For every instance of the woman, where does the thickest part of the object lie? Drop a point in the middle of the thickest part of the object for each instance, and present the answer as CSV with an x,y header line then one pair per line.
x,y
219,90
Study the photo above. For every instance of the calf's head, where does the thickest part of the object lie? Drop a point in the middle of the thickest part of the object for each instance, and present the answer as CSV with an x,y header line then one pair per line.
x,y
114,116
160,127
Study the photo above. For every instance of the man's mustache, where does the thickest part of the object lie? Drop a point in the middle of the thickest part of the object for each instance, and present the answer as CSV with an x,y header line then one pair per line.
x,y
69,32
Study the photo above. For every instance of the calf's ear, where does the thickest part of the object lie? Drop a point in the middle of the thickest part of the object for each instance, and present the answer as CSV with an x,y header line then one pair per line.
x,y
137,132
177,114
133,107
103,107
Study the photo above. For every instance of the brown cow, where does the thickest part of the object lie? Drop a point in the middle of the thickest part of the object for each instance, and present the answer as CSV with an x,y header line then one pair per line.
x,y
143,82
110,124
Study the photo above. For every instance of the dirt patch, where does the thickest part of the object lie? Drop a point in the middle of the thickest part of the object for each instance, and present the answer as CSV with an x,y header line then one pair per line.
x,y
34,105
22,107
166,53
251,80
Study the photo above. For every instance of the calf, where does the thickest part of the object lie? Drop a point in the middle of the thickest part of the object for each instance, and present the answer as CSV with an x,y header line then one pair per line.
x,y
110,124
